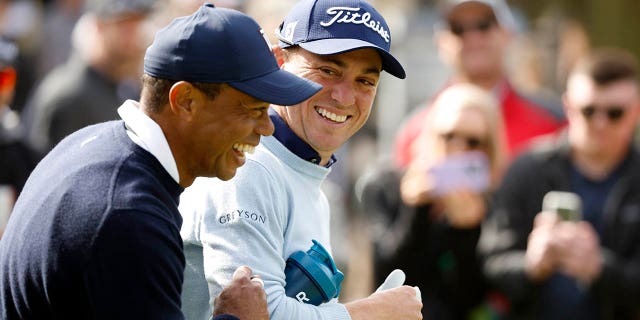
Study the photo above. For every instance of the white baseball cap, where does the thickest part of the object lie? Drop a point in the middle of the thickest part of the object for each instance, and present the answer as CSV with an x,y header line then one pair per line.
x,y
499,7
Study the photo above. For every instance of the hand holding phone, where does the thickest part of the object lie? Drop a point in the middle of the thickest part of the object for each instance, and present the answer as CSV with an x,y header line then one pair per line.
x,y
469,170
567,205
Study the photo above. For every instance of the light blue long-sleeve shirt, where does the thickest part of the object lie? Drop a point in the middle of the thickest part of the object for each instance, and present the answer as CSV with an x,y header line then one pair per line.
x,y
273,207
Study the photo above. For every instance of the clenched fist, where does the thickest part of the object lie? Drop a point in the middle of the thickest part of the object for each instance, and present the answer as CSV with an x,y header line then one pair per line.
x,y
244,297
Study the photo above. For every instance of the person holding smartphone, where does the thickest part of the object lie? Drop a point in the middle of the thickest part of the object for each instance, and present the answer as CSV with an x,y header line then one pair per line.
x,y
427,217
565,265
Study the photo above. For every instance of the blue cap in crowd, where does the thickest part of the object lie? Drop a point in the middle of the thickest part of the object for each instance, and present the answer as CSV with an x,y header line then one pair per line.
x,y
337,26
219,45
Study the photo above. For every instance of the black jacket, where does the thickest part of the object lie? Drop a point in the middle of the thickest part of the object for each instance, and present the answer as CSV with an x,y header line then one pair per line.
x,y
439,259
95,234
519,199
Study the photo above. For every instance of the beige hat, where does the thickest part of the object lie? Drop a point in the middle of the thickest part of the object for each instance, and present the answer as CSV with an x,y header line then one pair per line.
x,y
499,7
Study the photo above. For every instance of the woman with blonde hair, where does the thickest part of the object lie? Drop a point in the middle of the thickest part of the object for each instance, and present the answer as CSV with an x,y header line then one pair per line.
x,y
427,218
464,119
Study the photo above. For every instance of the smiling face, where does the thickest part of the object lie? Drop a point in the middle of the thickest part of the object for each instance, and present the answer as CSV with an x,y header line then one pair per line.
x,y
341,108
221,130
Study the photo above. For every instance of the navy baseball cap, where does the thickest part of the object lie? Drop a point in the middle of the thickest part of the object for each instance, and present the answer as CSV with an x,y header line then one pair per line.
x,y
220,45
336,26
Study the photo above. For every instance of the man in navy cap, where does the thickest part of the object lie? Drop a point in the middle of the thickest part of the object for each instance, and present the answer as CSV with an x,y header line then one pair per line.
x,y
275,207
95,233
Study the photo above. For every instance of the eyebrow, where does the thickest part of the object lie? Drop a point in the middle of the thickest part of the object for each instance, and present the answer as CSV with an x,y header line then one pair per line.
x,y
340,63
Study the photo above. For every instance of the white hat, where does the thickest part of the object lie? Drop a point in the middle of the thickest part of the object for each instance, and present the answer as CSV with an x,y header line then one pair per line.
x,y
499,7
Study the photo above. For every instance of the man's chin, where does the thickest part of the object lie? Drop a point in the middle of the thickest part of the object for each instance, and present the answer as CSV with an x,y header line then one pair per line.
x,y
227,175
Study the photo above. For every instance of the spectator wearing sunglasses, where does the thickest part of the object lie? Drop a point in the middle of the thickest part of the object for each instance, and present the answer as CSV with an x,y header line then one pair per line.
x,y
427,218
472,39
550,268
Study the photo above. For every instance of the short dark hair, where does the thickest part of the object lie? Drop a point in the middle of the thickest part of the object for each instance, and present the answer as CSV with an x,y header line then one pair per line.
x,y
288,51
608,65
155,91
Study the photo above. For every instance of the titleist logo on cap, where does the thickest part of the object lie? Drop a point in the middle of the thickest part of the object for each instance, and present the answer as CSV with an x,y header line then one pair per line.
x,y
351,15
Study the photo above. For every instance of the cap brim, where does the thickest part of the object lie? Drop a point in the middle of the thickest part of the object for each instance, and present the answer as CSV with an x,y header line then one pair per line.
x,y
278,87
335,46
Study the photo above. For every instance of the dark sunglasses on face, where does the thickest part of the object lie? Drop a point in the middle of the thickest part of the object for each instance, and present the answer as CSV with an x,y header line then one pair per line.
x,y
472,143
482,25
614,113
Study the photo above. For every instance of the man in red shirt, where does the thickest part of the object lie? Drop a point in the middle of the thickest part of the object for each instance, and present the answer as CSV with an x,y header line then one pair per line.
x,y
473,40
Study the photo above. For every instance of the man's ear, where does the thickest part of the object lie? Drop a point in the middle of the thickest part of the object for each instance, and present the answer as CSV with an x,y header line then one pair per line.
x,y
635,110
181,96
278,53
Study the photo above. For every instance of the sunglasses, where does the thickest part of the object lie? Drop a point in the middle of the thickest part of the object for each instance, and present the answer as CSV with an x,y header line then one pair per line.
x,y
472,143
613,113
482,25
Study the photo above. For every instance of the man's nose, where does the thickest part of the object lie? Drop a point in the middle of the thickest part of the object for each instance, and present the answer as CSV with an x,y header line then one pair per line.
x,y
265,126
344,93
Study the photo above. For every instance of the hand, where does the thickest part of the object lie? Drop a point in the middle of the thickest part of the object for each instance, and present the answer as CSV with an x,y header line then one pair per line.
x,y
396,279
416,186
244,297
396,303
540,257
464,209
580,255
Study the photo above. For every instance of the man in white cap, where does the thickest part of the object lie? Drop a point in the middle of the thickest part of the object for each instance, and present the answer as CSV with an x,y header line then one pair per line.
x,y
274,209
473,40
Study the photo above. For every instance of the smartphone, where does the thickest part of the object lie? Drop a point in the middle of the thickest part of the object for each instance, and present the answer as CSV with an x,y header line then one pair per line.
x,y
567,205
468,170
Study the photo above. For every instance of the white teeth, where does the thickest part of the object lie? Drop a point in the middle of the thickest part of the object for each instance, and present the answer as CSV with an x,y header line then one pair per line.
x,y
330,115
244,148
